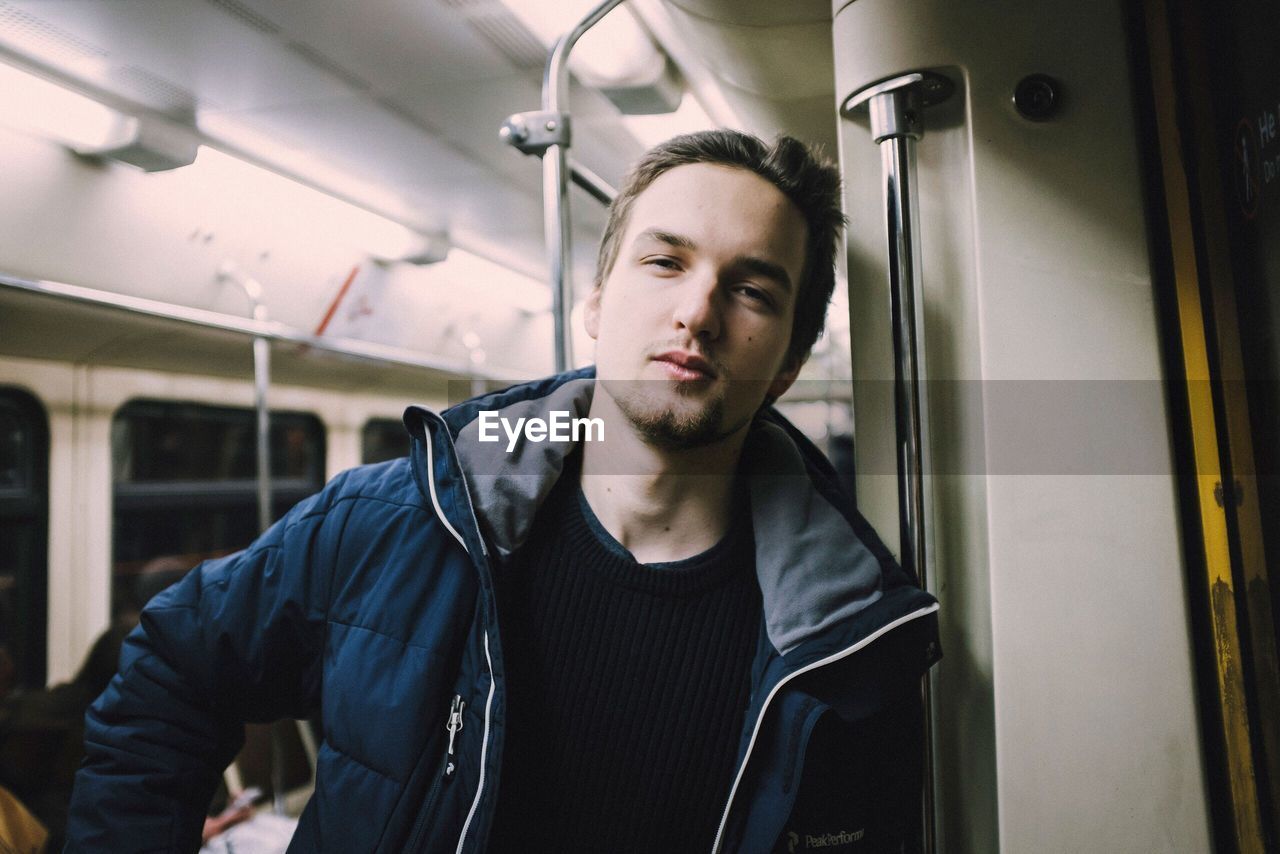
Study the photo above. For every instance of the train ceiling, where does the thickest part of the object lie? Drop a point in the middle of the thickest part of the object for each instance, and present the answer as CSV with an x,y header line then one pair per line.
x,y
395,106
399,103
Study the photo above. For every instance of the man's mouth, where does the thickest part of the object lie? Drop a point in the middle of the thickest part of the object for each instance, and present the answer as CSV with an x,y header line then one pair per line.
x,y
685,366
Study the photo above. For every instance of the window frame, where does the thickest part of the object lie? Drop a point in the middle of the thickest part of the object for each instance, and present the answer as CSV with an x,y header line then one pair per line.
x,y
30,502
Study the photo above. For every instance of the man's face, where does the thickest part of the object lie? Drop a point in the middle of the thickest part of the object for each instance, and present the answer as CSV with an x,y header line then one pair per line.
x,y
693,322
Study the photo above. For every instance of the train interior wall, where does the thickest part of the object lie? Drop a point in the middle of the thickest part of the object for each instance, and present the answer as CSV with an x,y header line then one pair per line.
x,y
1064,709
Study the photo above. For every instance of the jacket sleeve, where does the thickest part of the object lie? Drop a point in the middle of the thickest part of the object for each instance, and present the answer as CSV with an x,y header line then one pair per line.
x,y
238,639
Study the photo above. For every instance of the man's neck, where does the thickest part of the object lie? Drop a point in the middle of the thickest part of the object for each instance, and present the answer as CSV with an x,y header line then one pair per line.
x,y
661,505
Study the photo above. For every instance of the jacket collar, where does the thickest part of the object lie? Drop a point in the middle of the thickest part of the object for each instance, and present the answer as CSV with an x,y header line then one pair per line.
x,y
816,569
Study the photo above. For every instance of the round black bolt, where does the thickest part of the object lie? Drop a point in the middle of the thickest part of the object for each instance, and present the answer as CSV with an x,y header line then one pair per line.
x,y
1037,97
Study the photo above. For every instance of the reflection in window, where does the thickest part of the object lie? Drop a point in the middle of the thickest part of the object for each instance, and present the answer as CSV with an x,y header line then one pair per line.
x,y
185,489
24,466
383,439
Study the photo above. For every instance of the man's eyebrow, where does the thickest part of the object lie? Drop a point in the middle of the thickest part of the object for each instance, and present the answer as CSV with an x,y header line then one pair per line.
x,y
679,241
764,268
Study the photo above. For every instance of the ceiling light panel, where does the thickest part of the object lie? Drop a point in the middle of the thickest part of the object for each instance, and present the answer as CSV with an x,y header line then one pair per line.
x,y
615,51
191,45
34,105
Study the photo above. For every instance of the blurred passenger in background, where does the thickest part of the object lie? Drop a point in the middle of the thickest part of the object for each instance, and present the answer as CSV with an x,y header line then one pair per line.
x,y
42,731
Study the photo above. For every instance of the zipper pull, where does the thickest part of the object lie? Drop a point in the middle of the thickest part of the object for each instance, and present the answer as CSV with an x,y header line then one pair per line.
x,y
454,726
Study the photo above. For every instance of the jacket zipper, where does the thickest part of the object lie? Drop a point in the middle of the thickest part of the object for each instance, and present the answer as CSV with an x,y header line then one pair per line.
x,y
484,749
844,653
453,725
484,550
484,556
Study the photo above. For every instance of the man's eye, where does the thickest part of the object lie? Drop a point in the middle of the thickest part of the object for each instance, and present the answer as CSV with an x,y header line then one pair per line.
x,y
755,295
662,262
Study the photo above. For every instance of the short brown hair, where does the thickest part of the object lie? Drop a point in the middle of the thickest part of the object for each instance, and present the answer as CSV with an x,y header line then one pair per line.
x,y
811,182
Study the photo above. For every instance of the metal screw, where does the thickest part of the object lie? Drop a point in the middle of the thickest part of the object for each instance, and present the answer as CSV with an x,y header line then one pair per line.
x,y
551,124
513,133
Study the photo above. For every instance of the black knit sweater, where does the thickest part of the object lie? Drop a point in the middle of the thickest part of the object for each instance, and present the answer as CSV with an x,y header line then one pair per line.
x,y
627,685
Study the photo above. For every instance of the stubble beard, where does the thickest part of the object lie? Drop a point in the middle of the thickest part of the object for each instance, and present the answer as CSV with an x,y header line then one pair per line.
x,y
669,428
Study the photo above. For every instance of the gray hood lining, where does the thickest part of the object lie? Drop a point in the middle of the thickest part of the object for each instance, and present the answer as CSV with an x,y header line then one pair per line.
x,y
813,569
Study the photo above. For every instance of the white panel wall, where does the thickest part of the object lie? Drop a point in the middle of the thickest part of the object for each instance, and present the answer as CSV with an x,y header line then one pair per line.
x,y
1064,706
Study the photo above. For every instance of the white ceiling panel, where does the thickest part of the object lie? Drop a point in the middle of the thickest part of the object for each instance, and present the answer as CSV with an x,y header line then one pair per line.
x,y
195,45
390,43
364,135
468,114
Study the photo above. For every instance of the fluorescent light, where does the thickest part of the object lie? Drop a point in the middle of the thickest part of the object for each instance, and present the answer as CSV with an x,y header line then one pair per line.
x,y
34,105
615,51
651,130
243,183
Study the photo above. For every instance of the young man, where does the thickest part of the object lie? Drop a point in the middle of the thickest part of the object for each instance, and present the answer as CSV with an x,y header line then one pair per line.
x,y
675,636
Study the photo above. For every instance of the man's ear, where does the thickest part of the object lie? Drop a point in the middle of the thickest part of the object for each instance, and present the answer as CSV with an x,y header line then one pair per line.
x,y
784,379
591,312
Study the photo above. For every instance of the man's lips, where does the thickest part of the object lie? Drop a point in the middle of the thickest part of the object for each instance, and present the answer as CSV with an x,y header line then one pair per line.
x,y
685,366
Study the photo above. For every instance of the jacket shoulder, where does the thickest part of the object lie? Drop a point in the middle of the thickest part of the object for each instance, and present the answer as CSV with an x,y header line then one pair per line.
x,y
389,482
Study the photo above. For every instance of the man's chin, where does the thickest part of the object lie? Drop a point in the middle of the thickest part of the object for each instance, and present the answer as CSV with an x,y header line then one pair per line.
x,y
673,434
671,419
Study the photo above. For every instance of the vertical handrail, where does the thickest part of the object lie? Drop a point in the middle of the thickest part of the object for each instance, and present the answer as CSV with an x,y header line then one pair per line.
x,y
261,382
228,271
555,180
897,157
894,107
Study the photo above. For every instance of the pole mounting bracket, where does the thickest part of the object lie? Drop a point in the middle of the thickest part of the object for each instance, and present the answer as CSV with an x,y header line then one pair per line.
x,y
535,131
895,104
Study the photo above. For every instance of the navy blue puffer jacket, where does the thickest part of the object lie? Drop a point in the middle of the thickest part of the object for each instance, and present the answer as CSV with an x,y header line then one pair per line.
x,y
372,604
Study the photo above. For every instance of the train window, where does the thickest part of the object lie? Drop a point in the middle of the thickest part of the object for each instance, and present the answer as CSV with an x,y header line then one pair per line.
x,y
383,439
185,488
24,467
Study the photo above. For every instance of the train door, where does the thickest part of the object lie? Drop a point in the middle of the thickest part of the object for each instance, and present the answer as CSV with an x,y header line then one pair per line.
x,y
1216,117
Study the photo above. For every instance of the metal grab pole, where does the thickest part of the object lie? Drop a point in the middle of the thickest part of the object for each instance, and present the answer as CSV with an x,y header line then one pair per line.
x,y
897,155
895,106
547,133
228,271
261,382
555,181
897,141
556,226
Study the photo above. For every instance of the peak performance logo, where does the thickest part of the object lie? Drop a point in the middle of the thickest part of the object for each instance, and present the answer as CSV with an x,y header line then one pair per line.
x,y
825,840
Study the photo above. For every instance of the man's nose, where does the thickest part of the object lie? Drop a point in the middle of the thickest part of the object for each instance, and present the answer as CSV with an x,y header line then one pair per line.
x,y
698,309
